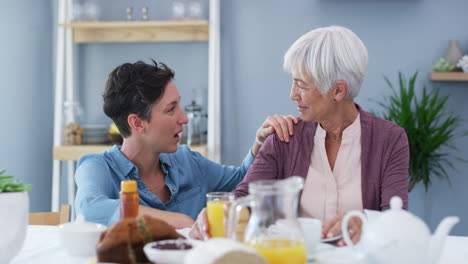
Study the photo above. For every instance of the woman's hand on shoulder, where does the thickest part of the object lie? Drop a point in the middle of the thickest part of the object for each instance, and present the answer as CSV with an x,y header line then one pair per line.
x,y
283,125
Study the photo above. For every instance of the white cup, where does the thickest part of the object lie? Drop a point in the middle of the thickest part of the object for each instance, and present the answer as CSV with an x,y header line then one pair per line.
x,y
312,229
80,237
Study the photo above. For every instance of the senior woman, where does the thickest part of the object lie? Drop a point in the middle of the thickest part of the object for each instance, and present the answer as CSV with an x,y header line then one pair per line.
x,y
350,159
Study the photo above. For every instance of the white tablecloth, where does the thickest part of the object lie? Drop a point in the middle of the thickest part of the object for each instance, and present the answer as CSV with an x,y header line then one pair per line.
x,y
42,246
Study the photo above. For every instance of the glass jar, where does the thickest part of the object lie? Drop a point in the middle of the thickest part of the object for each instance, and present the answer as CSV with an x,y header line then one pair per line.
x,y
194,130
178,9
194,9
87,10
204,129
72,131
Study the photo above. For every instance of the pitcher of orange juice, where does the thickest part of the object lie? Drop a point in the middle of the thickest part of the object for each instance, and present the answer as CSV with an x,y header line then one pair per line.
x,y
273,229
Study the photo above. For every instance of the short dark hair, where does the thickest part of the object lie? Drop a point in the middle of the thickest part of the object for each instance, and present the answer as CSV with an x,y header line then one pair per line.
x,y
132,88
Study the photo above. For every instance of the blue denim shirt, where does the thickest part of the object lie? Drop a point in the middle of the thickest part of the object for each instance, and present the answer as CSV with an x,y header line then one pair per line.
x,y
189,176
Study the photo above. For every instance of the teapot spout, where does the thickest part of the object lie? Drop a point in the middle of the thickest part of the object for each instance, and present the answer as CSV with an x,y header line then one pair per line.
x,y
438,239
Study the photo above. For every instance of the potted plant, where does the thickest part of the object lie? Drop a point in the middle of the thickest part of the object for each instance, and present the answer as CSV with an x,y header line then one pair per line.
x,y
14,209
430,128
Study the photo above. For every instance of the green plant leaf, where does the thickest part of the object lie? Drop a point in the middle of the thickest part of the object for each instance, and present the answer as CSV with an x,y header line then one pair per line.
x,y
429,127
9,184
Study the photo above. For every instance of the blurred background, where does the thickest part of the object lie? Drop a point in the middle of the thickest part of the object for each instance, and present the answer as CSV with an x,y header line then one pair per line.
x,y
401,35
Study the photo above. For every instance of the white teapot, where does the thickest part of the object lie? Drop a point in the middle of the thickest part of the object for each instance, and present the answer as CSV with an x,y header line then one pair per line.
x,y
397,236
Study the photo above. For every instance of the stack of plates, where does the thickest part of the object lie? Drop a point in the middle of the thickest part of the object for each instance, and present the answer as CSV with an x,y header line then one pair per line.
x,y
95,134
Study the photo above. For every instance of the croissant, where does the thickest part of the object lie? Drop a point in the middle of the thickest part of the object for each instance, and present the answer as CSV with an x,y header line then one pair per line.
x,y
123,242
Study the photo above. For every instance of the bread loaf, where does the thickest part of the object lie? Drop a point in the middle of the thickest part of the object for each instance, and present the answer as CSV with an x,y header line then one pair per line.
x,y
223,251
123,242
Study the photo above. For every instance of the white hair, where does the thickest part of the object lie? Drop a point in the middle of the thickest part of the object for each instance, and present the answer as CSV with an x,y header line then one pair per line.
x,y
328,55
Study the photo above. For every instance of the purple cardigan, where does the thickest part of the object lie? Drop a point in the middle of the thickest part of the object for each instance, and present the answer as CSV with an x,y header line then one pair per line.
x,y
384,160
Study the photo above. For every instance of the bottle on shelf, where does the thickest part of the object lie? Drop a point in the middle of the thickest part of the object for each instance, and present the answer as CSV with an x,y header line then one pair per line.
x,y
454,53
128,199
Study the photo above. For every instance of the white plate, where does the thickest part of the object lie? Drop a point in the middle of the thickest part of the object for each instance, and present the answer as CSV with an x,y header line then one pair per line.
x,y
332,239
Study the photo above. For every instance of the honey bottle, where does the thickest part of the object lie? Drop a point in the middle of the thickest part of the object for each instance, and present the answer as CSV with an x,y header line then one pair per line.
x,y
128,199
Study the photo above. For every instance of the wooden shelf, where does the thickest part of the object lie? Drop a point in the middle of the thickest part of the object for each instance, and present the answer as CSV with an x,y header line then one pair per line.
x,y
449,76
139,31
74,152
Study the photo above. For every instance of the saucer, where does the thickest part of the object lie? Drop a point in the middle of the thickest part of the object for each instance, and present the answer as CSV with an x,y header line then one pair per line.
x,y
320,247
332,240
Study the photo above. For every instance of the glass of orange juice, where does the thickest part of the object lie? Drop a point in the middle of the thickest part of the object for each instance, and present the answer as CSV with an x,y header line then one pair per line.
x,y
215,202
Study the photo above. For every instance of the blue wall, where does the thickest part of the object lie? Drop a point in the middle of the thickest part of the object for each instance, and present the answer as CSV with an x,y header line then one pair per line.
x,y
26,113
406,36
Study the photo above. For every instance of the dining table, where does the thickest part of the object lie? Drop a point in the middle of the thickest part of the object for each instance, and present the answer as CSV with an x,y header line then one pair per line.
x,y
42,245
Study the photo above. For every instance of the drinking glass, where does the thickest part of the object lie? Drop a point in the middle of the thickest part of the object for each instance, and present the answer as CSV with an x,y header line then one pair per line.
x,y
178,9
195,9
215,202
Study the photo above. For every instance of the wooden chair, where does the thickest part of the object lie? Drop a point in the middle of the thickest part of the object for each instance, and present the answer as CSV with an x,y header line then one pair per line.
x,y
51,218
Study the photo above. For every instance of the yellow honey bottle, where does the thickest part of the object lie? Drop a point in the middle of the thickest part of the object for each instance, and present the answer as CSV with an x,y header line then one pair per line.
x,y
128,199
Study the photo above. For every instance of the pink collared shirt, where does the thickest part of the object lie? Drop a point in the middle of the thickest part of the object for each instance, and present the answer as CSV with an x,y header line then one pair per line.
x,y
328,192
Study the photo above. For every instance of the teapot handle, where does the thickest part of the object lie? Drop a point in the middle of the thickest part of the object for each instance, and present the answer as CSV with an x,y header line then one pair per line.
x,y
344,225
233,216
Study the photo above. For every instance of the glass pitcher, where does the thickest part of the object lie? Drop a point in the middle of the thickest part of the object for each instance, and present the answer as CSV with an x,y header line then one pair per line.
x,y
273,229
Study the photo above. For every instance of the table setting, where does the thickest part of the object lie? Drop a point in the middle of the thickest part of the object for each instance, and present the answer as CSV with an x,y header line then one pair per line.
x,y
271,233
43,246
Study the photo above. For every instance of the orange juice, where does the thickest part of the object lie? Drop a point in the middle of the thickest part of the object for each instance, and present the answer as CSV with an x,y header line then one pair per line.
x,y
281,251
215,211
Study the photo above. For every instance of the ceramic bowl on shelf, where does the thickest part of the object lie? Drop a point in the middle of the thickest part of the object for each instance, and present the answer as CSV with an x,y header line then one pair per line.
x,y
95,134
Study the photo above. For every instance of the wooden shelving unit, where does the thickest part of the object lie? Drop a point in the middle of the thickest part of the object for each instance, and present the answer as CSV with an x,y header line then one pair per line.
x,y
130,32
139,31
74,152
69,32
449,76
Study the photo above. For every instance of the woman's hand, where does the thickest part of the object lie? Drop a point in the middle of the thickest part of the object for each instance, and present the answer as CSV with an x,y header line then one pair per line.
x,y
281,124
332,228
200,227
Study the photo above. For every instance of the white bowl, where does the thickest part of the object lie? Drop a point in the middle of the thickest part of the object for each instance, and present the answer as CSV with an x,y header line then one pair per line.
x,y
168,256
80,238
